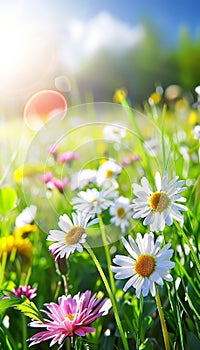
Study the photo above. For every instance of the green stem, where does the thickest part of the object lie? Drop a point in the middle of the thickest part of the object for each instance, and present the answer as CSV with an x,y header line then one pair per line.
x,y
68,343
162,321
132,118
24,332
189,245
111,296
139,323
139,135
107,253
163,137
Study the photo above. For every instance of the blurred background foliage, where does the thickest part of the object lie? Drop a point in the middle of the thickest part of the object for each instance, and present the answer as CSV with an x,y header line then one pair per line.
x,y
155,60
142,67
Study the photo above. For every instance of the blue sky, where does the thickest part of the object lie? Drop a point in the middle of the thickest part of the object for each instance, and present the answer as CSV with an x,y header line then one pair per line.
x,y
169,15
41,34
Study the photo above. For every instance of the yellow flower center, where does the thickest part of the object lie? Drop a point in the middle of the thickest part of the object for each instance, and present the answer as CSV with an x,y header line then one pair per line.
x,y
70,317
74,235
159,201
120,212
109,173
145,265
95,201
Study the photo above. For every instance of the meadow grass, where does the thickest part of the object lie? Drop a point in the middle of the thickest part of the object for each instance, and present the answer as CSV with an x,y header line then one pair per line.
x,y
159,138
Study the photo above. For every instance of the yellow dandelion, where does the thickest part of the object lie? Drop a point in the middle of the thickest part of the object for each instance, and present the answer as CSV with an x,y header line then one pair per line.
x,y
120,95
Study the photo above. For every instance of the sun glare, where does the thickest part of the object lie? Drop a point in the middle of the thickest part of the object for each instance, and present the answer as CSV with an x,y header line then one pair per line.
x,y
25,53
13,43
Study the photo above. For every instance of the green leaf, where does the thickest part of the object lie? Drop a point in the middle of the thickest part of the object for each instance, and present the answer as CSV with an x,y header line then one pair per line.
x,y
147,345
8,198
192,341
197,192
146,322
8,302
28,308
4,342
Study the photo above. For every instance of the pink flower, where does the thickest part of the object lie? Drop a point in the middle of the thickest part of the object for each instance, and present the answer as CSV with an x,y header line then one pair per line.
x,y
53,150
58,183
27,291
130,159
47,177
67,157
71,316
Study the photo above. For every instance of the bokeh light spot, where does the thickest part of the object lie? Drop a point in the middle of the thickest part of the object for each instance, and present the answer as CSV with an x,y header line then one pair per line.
x,y
62,83
42,106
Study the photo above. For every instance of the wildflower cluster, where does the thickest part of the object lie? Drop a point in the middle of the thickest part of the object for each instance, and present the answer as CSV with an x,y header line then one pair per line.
x,y
137,186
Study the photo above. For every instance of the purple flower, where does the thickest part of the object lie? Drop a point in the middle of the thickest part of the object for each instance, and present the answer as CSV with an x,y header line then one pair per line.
x,y
196,104
67,157
71,316
27,291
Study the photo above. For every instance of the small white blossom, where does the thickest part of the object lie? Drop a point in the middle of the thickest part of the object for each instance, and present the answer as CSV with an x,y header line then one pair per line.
x,y
94,201
121,212
26,216
196,132
83,178
108,171
159,207
114,133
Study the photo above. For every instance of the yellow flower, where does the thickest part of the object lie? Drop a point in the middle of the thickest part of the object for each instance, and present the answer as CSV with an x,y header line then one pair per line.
x,y
155,98
26,170
21,231
120,95
193,117
181,105
23,247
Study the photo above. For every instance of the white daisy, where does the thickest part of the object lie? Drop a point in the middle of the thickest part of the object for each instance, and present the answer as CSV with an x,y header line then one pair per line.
x,y
26,216
121,212
146,265
196,132
197,90
83,178
108,171
159,207
114,132
71,236
93,201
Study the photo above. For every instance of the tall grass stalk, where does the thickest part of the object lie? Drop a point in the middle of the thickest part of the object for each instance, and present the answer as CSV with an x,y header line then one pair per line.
x,y
111,296
162,321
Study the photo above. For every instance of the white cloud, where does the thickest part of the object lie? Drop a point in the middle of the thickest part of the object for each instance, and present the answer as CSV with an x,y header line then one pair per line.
x,y
82,39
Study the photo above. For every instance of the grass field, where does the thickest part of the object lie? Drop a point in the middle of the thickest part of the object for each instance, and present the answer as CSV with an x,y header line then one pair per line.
x,y
129,171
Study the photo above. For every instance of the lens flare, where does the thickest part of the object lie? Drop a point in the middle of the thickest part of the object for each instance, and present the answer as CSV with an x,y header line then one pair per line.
x,y
42,106
62,83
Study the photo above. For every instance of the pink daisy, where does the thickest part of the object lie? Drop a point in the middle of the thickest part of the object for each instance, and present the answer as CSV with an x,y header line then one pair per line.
x,y
27,291
71,316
